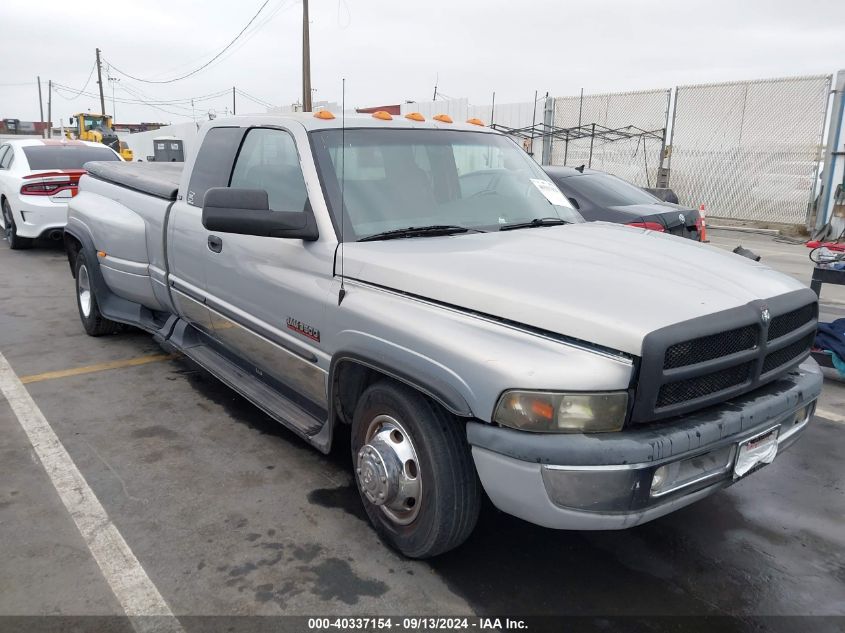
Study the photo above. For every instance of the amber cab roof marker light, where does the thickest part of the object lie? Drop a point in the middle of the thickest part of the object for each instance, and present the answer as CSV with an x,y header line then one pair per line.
x,y
443,118
382,115
415,116
323,114
475,121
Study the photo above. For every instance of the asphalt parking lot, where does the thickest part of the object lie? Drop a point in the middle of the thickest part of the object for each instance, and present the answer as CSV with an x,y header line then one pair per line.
x,y
230,514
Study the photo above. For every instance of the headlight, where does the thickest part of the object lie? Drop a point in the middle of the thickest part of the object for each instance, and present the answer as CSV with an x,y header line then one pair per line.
x,y
548,412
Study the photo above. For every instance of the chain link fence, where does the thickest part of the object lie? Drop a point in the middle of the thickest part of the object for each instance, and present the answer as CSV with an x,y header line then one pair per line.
x,y
749,150
636,158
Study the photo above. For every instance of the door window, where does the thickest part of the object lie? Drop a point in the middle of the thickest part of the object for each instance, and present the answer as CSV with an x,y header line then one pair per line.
x,y
268,160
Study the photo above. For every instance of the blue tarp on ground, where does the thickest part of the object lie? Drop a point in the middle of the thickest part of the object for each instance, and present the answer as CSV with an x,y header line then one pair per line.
x,y
831,336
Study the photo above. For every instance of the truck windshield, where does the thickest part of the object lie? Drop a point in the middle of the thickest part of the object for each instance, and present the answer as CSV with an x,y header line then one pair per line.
x,y
92,123
394,179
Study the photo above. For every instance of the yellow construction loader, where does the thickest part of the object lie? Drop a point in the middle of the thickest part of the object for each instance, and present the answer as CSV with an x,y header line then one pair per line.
x,y
97,128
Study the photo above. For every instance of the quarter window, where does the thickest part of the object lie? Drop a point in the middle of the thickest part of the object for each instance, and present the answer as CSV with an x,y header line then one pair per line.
x,y
6,154
268,160
214,162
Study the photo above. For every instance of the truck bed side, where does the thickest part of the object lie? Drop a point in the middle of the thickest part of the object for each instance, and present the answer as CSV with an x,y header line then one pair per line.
x,y
123,209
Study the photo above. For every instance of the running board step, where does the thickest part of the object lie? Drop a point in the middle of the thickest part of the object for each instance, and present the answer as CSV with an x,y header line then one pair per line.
x,y
268,400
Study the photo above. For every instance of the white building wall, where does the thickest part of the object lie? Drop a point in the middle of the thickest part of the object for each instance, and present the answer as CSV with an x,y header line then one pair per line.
x,y
458,109
141,143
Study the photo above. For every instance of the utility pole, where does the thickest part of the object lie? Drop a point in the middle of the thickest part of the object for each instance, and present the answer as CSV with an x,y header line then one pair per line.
x,y
234,107
112,81
306,60
100,83
50,108
548,126
40,104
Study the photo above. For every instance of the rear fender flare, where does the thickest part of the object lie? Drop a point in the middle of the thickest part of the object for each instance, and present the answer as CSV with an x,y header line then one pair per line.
x,y
111,306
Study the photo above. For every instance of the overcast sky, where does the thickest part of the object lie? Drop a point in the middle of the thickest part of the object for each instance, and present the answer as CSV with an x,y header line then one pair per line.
x,y
394,51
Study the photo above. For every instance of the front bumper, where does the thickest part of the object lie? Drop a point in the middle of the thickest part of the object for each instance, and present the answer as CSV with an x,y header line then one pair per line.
x,y
604,481
36,215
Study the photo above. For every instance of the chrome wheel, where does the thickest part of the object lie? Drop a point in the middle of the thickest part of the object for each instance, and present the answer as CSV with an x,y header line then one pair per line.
x,y
388,470
83,289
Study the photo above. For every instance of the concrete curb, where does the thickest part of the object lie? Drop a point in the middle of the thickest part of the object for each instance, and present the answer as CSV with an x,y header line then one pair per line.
x,y
742,229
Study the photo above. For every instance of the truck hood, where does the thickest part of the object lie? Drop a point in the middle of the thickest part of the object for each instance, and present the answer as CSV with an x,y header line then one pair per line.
x,y
604,283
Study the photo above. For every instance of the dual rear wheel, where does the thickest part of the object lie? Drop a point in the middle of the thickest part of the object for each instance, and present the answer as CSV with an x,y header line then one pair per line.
x,y
93,321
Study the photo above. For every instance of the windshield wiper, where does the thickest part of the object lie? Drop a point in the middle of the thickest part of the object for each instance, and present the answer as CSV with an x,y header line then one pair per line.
x,y
533,224
417,231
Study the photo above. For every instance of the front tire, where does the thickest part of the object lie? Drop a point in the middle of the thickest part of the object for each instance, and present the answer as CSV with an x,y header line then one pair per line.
x,y
414,470
16,243
93,321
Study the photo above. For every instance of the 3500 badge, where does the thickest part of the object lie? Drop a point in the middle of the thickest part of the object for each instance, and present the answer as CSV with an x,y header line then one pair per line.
x,y
303,328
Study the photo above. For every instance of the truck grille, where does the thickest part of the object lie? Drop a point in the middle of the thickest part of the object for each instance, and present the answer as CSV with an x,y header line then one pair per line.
x,y
787,354
700,386
713,358
786,323
710,347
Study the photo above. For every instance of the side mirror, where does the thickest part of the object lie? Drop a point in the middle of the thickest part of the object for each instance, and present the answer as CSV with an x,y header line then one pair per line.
x,y
574,203
247,212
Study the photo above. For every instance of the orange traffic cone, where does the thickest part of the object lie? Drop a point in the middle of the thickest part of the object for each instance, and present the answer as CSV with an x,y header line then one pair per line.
x,y
702,224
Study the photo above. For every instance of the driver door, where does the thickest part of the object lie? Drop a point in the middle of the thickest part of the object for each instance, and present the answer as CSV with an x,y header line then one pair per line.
x,y
267,296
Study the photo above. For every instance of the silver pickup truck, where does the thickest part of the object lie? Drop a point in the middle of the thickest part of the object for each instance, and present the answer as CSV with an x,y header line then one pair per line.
x,y
426,284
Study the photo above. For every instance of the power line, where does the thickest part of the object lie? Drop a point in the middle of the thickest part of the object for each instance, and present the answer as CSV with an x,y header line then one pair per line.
x,y
85,85
59,89
152,104
141,98
248,35
176,107
159,108
146,98
262,102
195,71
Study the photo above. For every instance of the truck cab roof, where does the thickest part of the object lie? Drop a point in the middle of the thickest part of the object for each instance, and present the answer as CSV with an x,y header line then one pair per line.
x,y
311,122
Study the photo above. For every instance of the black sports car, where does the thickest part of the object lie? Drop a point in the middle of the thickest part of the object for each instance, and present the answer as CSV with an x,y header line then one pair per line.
x,y
601,196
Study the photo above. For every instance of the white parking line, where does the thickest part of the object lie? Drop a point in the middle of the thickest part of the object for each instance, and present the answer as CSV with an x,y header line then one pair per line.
x,y
125,576
830,415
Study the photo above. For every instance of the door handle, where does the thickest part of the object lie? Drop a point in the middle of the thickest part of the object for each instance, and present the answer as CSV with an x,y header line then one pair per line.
x,y
215,244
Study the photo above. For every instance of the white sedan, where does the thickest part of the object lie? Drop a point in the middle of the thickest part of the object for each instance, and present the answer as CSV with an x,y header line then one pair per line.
x,y
37,178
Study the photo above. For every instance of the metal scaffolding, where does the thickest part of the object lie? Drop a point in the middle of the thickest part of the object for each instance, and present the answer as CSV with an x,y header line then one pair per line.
x,y
594,131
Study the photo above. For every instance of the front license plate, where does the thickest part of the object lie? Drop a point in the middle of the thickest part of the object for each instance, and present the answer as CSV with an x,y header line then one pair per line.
x,y
756,453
